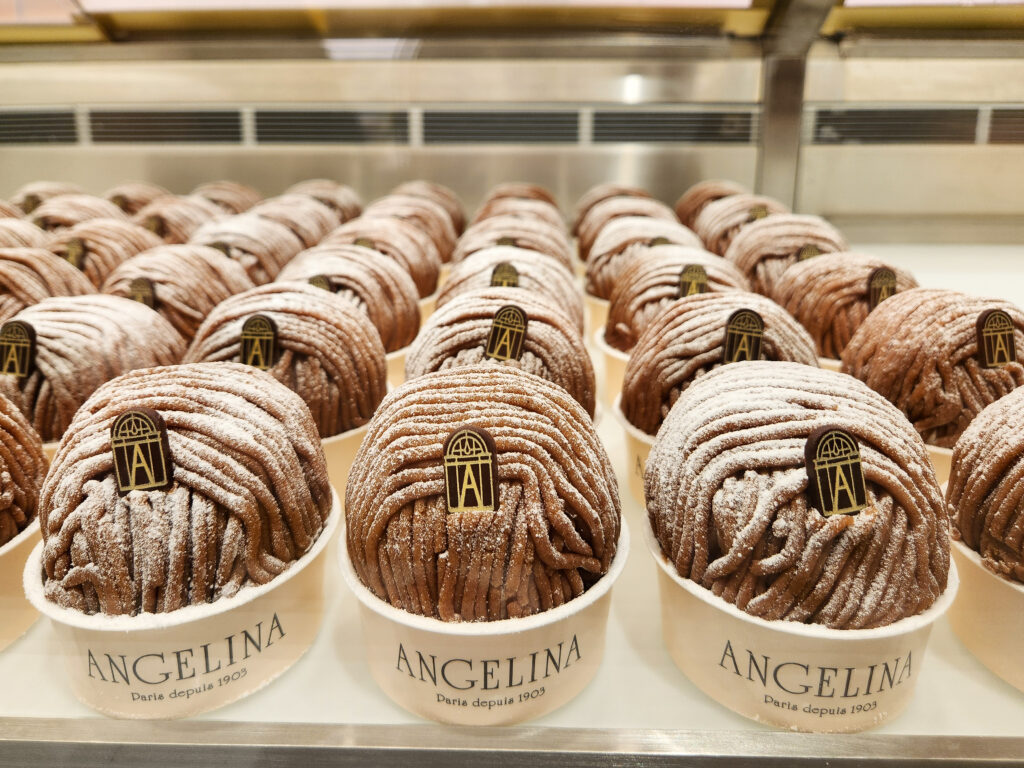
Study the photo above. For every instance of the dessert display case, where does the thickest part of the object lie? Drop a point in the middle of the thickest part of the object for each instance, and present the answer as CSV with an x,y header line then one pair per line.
x,y
903,127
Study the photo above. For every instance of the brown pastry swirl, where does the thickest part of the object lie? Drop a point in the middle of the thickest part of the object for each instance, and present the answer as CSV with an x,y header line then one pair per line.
x,y
621,240
521,208
538,273
22,469
133,196
307,218
694,199
919,350
9,211
260,245
985,484
726,495
456,335
557,522
397,239
30,196
231,196
650,282
598,194
327,350
81,343
606,211
764,249
65,211
379,287
175,218
422,212
719,222
18,233
340,198
532,235
440,194
686,341
829,295
99,246
29,275
249,496
521,190
188,281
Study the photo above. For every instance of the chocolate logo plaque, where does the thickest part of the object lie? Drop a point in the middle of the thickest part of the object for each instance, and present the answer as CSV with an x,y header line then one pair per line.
x,y
505,276
757,212
221,246
74,252
508,333
809,251
365,242
17,349
321,282
259,342
835,475
881,285
142,290
658,241
506,241
693,280
996,344
142,453
470,471
121,201
156,225
743,333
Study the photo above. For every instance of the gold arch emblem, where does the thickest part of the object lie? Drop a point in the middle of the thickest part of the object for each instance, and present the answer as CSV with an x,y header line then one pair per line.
x,y
259,342
997,344
835,475
505,276
17,349
508,334
470,471
141,289
693,280
881,285
743,334
141,451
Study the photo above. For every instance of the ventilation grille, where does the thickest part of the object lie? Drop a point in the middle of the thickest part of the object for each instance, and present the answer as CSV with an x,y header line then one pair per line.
x,y
330,127
666,127
1007,126
518,127
50,127
193,126
895,126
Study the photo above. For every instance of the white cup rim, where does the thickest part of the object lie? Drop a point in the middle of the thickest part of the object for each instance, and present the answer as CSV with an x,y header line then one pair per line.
x,y
639,434
606,347
23,534
190,613
415,621
897,628
975,559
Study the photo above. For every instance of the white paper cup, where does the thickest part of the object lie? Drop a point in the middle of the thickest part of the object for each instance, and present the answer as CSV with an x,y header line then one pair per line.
x,y
638,448
802,677
614,368
828,364
486,673
50,449
16,612
396,366
596,313
427,306
340,451
198,658
942,462
988,616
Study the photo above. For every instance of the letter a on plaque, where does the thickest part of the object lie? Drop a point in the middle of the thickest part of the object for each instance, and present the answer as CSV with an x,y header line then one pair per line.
x,y
881,285
470,471
996,344
508,333
143,291
75,252
17,348
142,453
259,342
693,280
743,333
505,276
835,477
